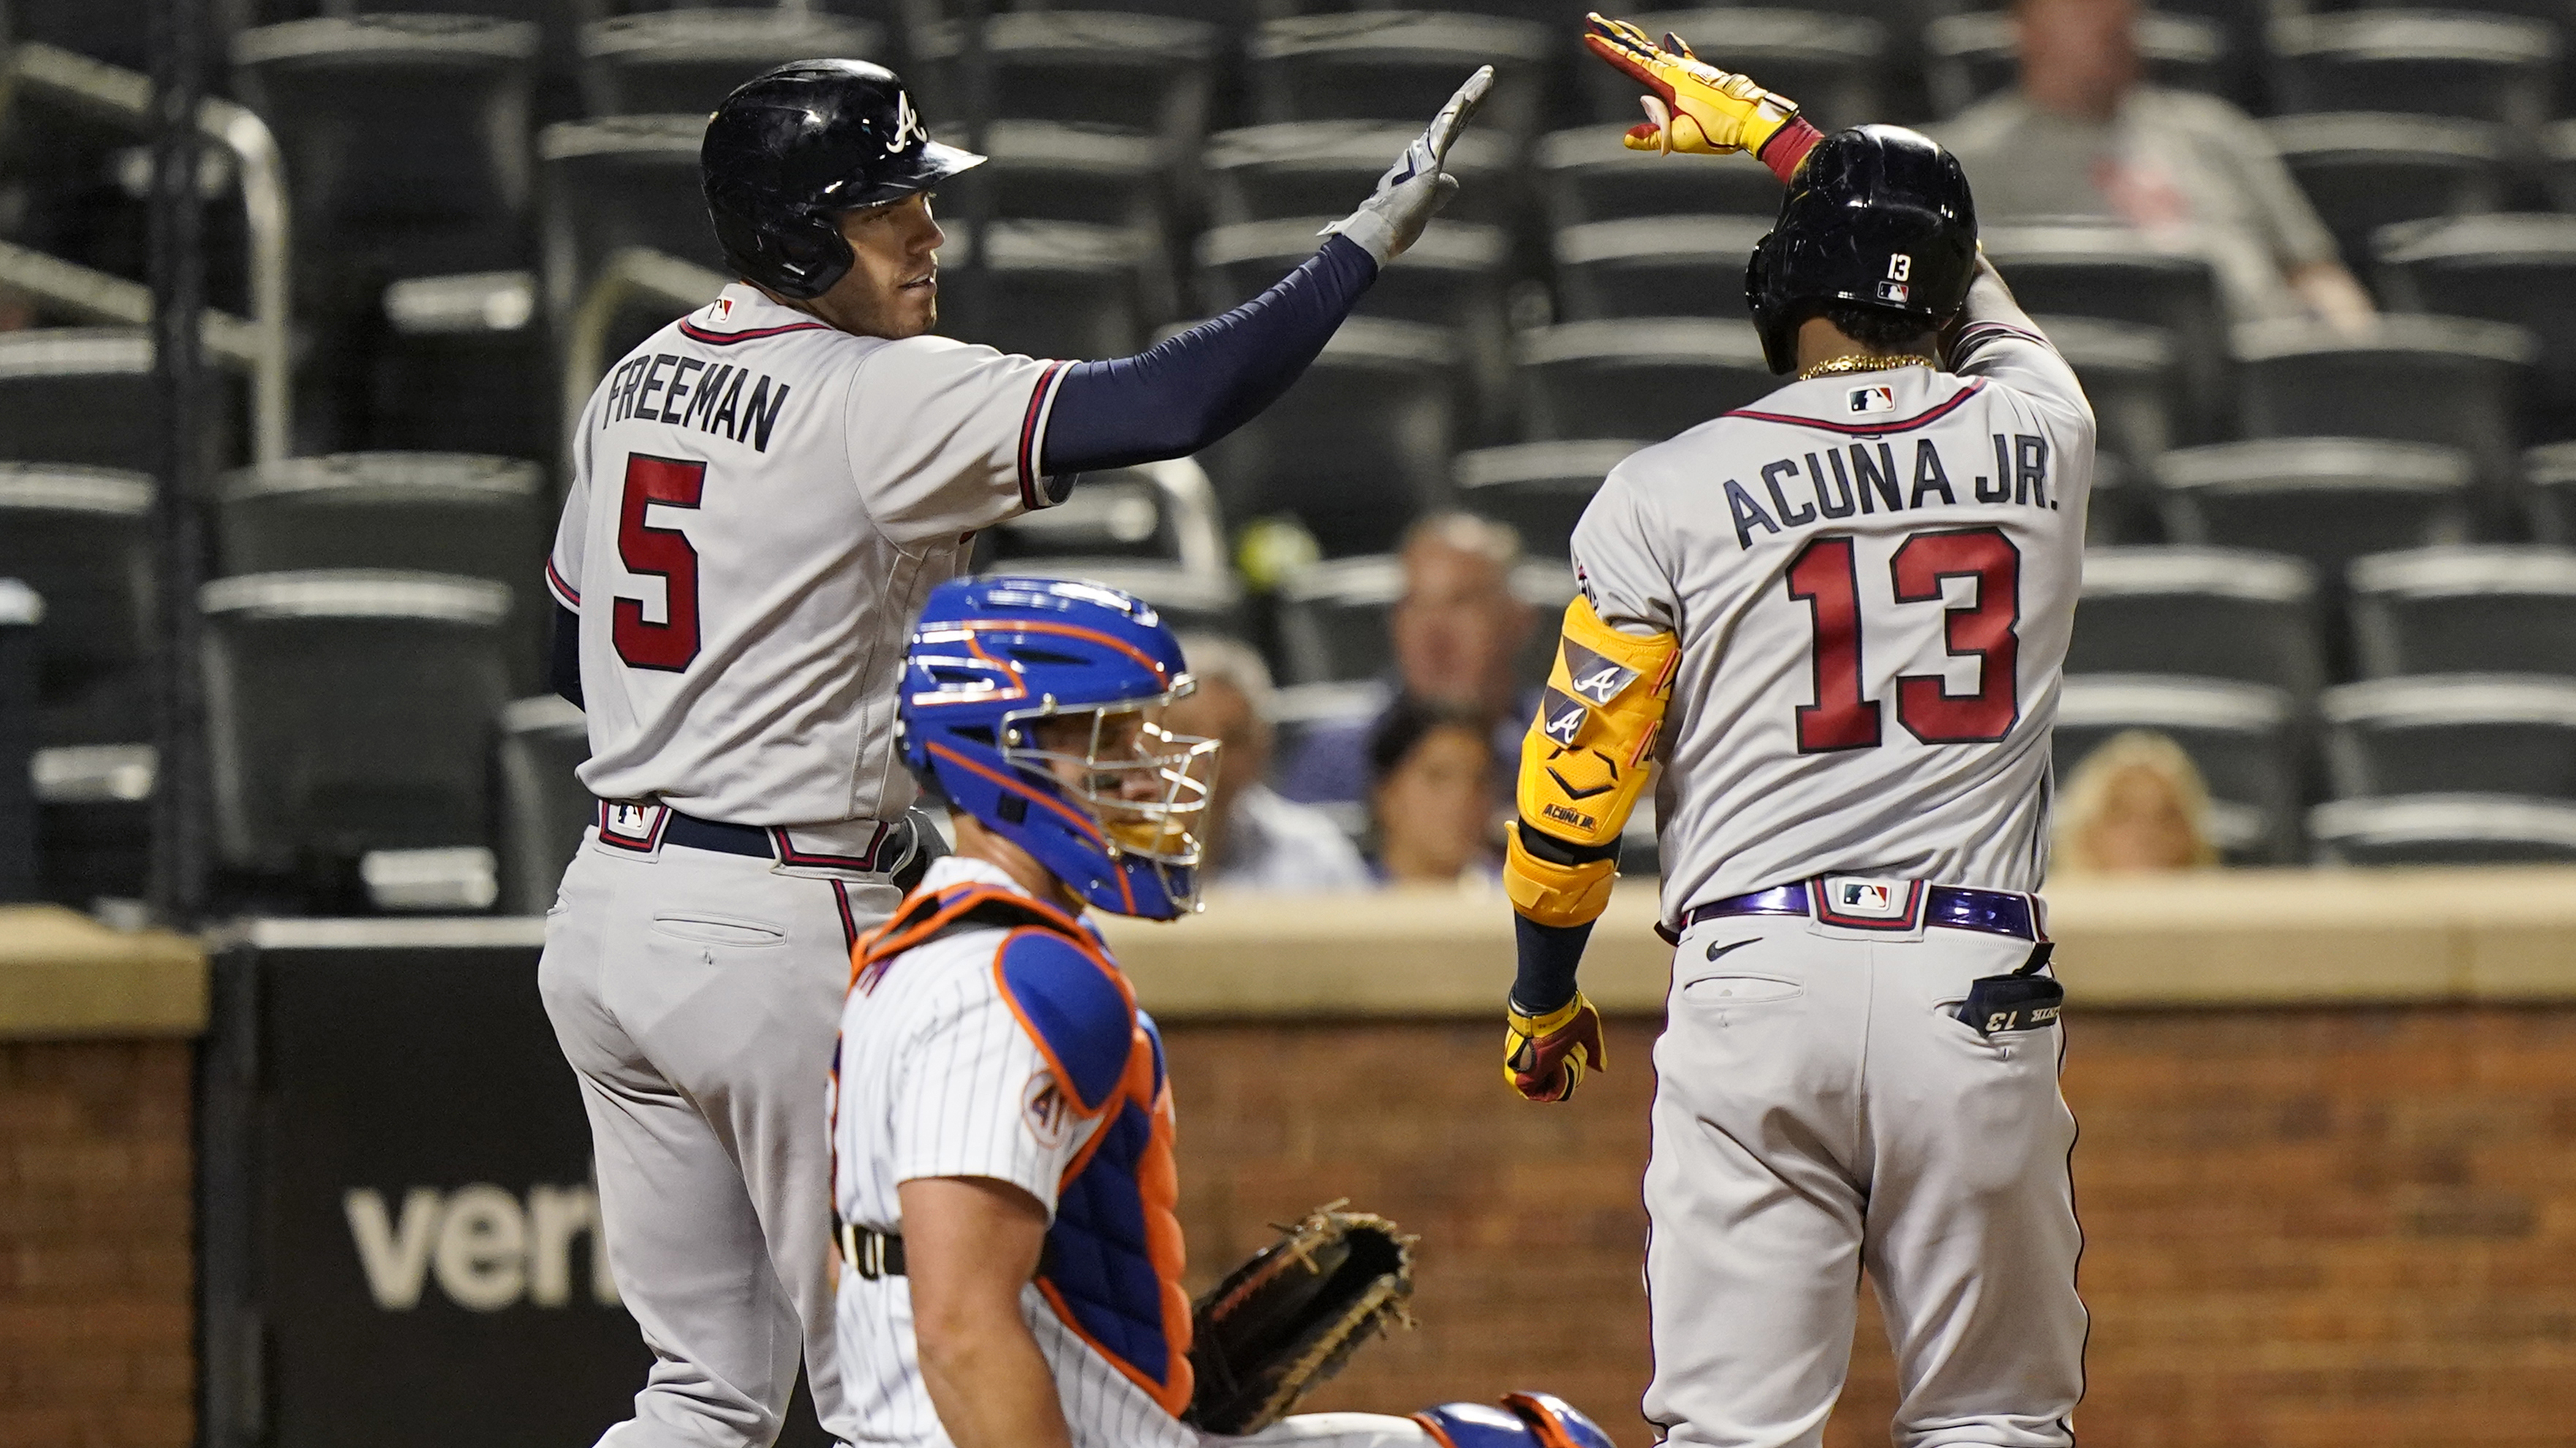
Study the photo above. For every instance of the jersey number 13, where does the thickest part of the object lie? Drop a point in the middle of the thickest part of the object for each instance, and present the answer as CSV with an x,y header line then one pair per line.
x,y
1826,578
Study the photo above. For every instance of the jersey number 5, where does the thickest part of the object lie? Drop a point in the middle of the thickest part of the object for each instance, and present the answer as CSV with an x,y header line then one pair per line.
x,y
1826,579
662,553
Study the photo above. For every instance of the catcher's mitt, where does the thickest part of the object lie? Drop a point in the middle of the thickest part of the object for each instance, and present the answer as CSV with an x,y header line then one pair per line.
x,y
1289,1318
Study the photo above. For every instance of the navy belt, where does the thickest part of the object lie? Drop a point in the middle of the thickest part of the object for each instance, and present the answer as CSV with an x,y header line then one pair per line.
x,y
643,828
1953,907
716,835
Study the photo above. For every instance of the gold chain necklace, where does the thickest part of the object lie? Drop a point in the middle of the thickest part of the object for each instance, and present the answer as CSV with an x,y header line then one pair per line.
x,y
1840,366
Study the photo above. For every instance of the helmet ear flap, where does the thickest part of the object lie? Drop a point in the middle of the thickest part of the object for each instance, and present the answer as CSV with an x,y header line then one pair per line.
x,y
800,257
1769,319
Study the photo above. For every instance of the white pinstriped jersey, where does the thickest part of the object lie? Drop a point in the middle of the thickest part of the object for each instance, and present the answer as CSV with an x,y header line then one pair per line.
x,y
1873,577
937,1078
759,506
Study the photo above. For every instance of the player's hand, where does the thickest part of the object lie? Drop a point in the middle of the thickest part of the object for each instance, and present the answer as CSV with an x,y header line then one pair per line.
x,y
1415,188
1544,1057
1690,105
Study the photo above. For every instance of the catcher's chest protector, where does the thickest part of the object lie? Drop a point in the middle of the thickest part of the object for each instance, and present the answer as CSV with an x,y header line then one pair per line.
x,y
1114,1258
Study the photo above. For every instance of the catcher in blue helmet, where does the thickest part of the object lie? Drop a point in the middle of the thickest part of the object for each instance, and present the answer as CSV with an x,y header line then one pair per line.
x,y
1009,1246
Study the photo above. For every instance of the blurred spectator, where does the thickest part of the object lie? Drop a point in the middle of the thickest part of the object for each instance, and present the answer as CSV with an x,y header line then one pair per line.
x,y
1255,839
1431,796
2082,137
1456,631
2136,805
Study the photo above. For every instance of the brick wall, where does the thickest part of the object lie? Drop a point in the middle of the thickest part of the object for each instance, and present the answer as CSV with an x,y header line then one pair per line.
x,y
2338,1227
94,1268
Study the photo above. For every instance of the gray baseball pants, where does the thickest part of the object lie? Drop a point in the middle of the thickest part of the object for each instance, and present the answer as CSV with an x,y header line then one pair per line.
x,y
1819,1109
696,995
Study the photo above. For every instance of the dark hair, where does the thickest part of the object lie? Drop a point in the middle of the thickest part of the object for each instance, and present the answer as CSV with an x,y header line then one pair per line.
x,y
1402,728
1877,328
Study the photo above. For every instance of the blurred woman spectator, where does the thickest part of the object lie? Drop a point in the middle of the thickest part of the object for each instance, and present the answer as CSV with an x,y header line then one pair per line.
x,y
1255,839
2136,805
1431,796
1456,632
2083,137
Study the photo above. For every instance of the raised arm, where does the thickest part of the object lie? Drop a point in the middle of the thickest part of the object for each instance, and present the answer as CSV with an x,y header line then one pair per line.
x,y
1193,389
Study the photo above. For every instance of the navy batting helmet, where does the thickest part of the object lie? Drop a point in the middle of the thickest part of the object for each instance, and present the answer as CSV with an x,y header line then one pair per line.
x,y
793,148
1876,217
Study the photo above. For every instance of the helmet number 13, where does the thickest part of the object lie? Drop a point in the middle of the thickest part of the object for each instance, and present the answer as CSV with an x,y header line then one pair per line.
x,y
1826,577
663,553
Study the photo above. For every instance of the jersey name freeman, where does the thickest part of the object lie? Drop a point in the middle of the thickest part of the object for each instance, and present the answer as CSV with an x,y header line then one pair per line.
x,y
1804,492
666,387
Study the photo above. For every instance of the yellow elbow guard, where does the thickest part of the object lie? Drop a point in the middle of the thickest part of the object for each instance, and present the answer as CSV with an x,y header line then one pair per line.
x,y
1583,764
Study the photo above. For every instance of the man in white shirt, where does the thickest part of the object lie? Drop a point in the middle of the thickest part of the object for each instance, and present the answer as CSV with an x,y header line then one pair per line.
x,y
1256,840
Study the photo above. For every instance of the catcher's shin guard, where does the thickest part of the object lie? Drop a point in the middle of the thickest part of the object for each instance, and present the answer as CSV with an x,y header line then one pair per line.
x,y
1525,1420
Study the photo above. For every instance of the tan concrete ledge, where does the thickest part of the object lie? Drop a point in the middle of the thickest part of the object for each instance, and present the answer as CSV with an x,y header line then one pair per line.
x,y
2269,937
64,974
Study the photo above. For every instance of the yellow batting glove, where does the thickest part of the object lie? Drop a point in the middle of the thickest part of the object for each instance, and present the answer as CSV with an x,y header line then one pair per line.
x,y
1691,105
1544,1057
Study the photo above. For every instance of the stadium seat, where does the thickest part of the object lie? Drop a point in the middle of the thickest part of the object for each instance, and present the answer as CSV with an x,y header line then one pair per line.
x,y
1453,276
2243,738
1358,446
543,806
2444,829
462,364
1538,488
615,182
1155,512
20,609
2476,67
1335,627
2120,510
2558,162
2550,475
687,61
2217,613
349,712
2452,733
2368,169
1655,266
1333,620
1052,288
1060,171
405,137
1146,74
2119,275
1646,378
2132,379
1324,168
2498,609
1586,175
1399,65
2506,268
1833,66
1972,56
81,539
94,821
84,395
2327,500
2447,380
453,513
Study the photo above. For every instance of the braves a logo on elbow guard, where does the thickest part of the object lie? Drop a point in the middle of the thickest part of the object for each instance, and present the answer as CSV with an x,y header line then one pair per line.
x,y
1595,678
1560,718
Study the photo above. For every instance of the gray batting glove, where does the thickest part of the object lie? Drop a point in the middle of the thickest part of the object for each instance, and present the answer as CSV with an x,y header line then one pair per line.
x,y
1415,188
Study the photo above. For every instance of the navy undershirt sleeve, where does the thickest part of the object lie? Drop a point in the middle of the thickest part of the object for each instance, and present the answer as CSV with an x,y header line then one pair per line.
x,y
563,656
1548,956
1183,394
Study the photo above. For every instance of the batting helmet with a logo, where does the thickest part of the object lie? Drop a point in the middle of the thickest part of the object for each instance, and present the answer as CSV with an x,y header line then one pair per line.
x,y
1876,217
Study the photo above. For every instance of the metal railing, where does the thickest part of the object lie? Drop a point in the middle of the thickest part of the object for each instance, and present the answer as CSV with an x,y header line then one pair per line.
x,y
123,98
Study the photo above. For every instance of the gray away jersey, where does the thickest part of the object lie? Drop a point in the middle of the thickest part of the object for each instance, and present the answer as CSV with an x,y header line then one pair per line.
x,y
759,506
1873,577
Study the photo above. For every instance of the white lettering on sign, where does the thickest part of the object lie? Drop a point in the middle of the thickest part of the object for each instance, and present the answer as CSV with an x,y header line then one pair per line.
x,y
485,1249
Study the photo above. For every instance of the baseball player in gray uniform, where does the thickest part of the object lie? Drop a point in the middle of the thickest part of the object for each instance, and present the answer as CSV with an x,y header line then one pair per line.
x,y
764,492
1838,617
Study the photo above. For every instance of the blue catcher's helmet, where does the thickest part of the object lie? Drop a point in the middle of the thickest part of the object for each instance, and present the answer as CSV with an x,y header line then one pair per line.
x,y
1525,1420
1035,705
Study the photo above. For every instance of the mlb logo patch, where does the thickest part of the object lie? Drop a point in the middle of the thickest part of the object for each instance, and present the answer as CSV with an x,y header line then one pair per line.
x,y
1862,897
1871,399
631,826
724,308
1895,292
1864,904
